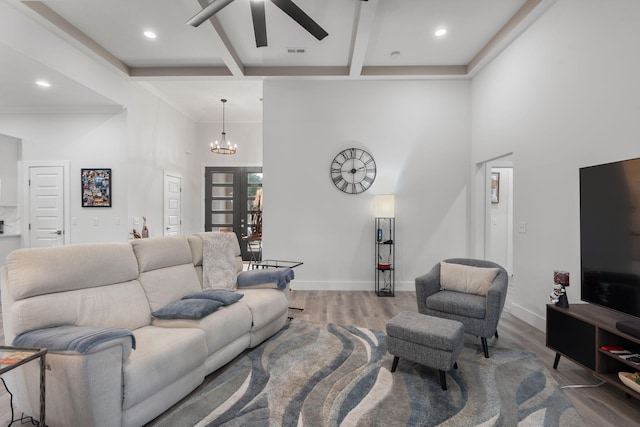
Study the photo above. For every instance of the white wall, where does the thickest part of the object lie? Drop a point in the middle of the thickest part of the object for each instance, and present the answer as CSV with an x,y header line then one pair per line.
x,y
418,133
564,95
86,140
138,144
9,157
159,139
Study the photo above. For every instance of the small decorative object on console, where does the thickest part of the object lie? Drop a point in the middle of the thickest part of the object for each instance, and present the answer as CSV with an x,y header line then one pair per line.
x,y
145,230
630,380
633,358
559,294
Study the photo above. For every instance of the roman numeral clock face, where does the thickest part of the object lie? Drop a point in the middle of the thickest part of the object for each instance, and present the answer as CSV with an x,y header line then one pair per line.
x,y
353,170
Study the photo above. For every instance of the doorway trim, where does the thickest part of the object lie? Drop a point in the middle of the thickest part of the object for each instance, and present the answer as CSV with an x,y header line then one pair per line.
x,y
165,224
482,205
26,207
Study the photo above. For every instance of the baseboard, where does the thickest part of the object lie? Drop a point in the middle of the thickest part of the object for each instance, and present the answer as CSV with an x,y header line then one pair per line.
x,y
528,316
307,285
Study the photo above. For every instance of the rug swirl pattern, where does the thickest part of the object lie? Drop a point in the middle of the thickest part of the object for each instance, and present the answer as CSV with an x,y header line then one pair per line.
x,y
312,374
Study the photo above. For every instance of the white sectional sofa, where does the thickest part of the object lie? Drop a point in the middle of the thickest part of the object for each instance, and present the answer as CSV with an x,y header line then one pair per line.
x,y
119,285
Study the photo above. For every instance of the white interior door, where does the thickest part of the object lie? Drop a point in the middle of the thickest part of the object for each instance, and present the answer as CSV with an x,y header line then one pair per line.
x,y
172,204
46,206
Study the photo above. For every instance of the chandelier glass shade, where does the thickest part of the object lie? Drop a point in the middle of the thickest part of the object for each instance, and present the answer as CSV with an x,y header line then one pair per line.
x,y
224,146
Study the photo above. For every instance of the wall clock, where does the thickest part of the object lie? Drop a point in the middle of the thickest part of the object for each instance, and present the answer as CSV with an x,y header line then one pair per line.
x,y
353,170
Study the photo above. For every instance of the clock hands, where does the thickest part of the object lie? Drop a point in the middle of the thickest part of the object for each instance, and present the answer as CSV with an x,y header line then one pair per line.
x,y
353,171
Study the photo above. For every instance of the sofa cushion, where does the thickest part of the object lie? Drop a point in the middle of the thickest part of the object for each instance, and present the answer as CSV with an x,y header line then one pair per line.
x,y
266,305
225,297
458,303
161,252
195,244
123,305
169,284
221,327
188,309
162,356
465,278
40,271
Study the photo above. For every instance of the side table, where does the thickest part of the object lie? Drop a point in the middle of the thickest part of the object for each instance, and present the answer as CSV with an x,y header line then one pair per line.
x,y
13,357
254,246
276,263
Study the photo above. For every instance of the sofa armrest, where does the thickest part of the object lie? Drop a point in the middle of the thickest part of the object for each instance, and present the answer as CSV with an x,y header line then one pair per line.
x,y
496,297
77,339
426,286
81,388
274,277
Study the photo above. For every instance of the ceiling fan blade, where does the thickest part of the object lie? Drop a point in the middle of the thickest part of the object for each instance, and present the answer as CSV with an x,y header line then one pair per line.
x,y
214,7
298,15
259,22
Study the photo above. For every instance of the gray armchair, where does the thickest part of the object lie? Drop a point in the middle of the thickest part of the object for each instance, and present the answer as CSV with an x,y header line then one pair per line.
x,y
478,314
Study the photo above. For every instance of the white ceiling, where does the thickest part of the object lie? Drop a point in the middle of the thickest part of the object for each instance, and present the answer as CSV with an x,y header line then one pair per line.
x,y
193,68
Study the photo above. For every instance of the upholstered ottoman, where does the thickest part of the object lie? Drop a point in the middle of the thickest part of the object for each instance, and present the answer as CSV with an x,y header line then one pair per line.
x,y
430,341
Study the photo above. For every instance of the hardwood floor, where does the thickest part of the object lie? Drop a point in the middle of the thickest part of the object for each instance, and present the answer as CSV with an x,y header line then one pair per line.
x,y
599,407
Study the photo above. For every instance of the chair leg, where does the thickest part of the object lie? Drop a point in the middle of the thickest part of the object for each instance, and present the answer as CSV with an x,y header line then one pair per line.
x,y
485,347
455,365
443,379
497,334
394,365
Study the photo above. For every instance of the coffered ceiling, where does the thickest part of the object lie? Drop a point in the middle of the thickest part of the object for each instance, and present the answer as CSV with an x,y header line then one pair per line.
x,y
193,67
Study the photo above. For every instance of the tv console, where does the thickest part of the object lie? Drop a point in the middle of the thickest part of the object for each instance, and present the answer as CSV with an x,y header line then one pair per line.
x,y
579,331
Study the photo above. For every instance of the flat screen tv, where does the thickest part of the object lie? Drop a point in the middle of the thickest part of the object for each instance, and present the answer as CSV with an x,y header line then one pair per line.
x,y
610,235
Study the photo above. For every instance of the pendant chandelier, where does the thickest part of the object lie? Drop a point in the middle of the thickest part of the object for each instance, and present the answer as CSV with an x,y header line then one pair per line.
x,y
224,146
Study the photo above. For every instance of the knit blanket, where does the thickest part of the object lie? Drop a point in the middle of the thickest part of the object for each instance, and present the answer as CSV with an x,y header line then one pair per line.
x,y
219,260
70,338
279,276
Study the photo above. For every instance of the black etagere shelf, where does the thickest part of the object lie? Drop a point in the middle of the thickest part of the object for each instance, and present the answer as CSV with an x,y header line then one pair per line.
x,y
385,257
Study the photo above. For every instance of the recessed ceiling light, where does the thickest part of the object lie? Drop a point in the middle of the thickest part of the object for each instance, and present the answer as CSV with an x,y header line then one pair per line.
x,y
440,32
150,34
43,83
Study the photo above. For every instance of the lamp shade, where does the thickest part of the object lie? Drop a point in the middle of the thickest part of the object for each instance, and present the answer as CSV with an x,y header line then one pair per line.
x,y
384,206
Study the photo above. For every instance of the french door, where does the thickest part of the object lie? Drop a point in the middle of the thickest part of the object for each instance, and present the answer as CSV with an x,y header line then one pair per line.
x,y
231,204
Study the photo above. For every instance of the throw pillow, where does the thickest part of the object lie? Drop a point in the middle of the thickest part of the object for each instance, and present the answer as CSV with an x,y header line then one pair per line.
x,y
466,278
225,297
187,309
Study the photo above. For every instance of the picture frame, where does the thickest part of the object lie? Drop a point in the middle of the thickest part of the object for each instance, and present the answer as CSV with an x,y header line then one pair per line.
x,y
495,187
95,187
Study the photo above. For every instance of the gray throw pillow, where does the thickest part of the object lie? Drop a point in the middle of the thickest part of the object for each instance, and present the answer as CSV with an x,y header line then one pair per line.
x,y
225,297
187,309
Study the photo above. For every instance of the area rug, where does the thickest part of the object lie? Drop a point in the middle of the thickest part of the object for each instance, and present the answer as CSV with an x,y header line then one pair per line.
x,y
312,374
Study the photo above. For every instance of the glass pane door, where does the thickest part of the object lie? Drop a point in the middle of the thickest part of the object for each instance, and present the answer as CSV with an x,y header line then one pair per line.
x,y
233,202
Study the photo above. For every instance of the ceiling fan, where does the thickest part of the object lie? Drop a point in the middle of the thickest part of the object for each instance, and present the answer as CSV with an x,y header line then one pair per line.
x,y
259,21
